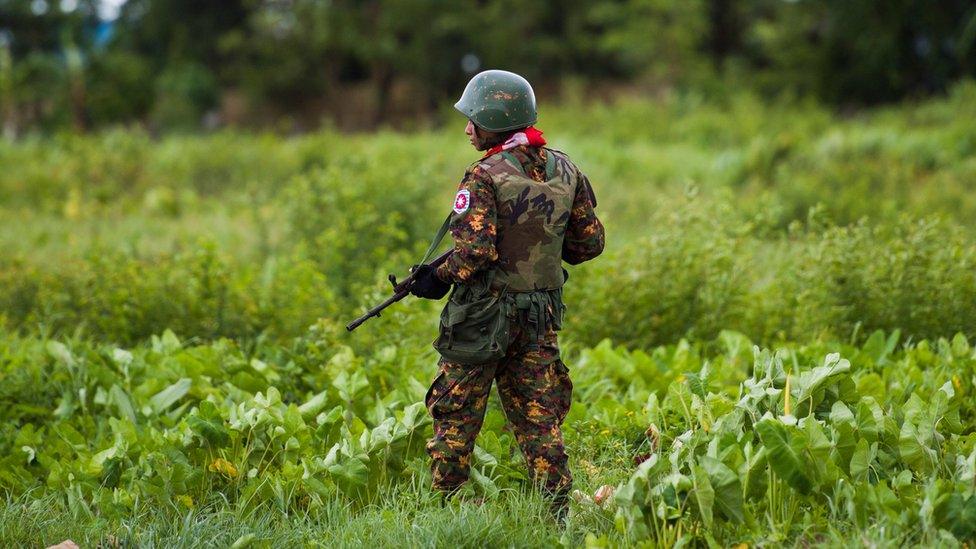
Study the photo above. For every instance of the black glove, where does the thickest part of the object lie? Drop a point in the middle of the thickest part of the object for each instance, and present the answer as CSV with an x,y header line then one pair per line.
x,y
426,284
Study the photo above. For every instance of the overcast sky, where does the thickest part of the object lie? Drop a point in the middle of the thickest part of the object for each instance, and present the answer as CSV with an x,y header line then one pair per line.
x,y
109,9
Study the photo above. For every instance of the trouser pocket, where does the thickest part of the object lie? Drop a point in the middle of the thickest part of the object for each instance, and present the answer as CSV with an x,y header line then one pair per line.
x,y
451,391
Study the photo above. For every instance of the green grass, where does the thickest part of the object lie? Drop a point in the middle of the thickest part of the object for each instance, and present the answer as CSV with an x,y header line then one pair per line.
x,y
407,517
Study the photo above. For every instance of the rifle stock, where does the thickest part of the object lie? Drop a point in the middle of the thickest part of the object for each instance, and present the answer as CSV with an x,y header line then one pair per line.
x,y
400,291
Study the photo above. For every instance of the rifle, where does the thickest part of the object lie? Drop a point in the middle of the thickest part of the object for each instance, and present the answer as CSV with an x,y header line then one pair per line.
x,y
400,290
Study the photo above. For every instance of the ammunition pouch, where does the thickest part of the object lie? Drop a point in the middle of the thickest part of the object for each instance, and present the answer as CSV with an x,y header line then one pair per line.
x,y
475,326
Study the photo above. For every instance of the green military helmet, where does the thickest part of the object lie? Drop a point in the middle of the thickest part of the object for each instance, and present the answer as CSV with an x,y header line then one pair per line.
x,y
498,101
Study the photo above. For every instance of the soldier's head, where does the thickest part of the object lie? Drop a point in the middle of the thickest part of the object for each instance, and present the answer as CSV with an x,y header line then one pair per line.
x,y
496,104
482,139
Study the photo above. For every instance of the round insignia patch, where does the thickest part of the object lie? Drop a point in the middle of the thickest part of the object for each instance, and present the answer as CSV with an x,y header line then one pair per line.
x,y
462,201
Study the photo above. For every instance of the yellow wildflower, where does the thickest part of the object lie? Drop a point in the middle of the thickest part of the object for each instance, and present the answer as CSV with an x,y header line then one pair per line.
x,y
221,465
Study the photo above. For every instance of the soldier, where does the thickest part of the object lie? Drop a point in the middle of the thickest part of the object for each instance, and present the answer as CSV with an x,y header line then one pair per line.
x,y
518,212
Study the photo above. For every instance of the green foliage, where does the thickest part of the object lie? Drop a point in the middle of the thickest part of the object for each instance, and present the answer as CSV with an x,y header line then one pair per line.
x,y
780,446
119,88
37,91
296,64
196,291
862,51
184,93
174,364
294,431
654,36
773,233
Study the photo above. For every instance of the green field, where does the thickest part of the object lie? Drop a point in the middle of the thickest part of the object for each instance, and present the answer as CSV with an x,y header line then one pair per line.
x,y
775,348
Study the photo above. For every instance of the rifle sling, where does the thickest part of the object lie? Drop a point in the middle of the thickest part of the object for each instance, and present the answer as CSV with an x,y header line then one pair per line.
x,y
437,239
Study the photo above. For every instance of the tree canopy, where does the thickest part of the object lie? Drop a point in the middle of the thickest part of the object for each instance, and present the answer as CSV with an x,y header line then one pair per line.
x,y
180,64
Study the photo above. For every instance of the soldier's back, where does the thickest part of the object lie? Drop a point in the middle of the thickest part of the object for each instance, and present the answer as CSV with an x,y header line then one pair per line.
x,y
535,188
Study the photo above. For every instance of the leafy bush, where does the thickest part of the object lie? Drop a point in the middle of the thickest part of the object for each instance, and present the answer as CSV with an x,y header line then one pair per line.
x,y
184,93
177,426
198,291
838,442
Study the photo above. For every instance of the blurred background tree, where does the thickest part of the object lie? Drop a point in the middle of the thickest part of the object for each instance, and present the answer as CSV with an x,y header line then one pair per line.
x,y
293,64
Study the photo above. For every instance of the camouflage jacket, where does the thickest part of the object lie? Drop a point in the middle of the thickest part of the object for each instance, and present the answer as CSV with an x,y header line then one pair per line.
x,y
510,217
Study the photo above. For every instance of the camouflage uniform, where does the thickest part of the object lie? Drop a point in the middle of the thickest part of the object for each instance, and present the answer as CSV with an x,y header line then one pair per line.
x,y
517,226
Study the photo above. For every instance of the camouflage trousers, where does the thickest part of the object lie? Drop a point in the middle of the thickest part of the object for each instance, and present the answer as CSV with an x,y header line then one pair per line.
x,y
535,391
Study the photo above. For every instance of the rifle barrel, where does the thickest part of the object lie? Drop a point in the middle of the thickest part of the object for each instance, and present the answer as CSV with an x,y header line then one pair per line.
x,y
375,311
401,291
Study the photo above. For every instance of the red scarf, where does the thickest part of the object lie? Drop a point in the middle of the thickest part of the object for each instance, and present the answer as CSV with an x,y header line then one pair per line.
x,y
529,136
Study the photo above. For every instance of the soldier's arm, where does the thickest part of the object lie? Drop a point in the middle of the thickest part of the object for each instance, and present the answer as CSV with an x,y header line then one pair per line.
x,y
585,236
473,227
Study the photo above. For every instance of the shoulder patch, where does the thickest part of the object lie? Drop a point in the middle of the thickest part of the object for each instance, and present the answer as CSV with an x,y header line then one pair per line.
x,y
462,201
